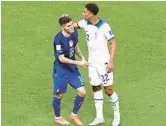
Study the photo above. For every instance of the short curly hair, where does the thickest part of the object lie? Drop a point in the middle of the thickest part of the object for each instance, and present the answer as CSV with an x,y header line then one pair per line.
x,y
92,7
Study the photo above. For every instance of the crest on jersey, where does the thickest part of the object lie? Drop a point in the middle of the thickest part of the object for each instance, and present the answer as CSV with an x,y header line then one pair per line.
x,y
71,43
57,90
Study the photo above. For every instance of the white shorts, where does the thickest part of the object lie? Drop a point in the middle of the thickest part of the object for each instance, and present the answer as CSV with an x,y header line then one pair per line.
x,y
98,75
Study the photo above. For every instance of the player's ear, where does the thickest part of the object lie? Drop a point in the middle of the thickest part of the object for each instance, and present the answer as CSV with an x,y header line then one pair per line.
x,y
62,27
90,14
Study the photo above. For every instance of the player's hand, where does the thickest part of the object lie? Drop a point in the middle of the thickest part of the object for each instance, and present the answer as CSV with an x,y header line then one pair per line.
x,y
110,67
75,25
86,63
82,63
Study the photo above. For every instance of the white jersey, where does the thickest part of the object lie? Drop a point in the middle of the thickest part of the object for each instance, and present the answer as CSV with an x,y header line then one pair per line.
x,y
97,36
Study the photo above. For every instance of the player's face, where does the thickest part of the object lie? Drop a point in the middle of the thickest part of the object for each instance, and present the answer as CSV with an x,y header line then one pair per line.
x,y
86,14
68,27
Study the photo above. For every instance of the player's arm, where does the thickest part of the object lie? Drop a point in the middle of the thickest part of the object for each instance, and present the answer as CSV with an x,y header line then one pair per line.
x,y
78,52
60,54
66,60
81,63
76,26
111,38
80,24
112,49
112,55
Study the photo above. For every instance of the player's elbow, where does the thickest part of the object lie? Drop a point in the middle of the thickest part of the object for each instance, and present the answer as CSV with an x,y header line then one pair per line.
x,y
61,58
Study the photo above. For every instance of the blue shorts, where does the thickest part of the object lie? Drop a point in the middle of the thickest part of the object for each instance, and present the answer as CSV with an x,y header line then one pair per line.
x,y
61,82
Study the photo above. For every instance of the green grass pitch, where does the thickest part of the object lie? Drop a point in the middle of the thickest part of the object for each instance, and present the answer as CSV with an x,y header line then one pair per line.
x,y
28,29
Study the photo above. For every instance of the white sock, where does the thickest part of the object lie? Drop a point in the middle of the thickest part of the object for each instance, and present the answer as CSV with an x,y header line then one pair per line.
x,y
98,99
73,114
115,103
57,117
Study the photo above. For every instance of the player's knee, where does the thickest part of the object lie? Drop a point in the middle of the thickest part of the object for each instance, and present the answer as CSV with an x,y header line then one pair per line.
x,y
109,90
59,96
82,92
96,88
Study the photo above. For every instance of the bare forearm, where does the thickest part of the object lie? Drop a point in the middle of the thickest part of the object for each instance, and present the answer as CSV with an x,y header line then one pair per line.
x,y
78,52
63,59
113,49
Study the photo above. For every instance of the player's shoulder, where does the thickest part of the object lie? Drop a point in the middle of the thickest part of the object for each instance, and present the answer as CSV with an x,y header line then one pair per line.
x,y
103,24
75,35
75,31
57,37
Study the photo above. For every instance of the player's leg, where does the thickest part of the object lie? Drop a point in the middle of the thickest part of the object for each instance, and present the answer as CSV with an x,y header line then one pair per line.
x,y
60,87
98,96
115,104
57,106
79,99
107,80
78,84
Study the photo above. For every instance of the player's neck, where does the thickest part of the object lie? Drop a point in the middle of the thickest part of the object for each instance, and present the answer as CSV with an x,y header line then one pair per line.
x,y
66,34
94,20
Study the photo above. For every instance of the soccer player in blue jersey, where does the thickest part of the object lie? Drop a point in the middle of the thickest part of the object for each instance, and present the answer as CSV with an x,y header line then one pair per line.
x,y
101,60
66,71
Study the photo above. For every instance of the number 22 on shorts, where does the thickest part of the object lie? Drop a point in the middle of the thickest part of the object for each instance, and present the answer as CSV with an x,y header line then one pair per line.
x,y
104,78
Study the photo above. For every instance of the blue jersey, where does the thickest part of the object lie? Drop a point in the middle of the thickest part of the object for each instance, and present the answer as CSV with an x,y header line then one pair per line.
x,y
65,45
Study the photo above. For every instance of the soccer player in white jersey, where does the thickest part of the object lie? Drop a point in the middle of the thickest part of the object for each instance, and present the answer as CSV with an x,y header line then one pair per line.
x,y
98,33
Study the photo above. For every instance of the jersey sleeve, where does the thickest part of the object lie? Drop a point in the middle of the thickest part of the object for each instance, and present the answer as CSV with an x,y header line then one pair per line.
x,y
58,48
108,32
82,23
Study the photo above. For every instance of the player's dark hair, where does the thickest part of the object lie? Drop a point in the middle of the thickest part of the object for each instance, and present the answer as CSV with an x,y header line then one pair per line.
x,y
64,19
92,7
